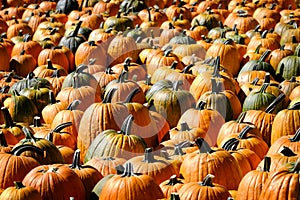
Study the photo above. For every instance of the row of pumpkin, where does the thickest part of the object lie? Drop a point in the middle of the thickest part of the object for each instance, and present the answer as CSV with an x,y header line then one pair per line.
x,y
208,107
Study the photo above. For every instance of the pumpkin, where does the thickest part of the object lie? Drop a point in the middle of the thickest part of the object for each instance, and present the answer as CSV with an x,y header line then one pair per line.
x,y
227,51
206,119
51,153
171,186
291,141
15,166
280,158
195,167
48,69
139,186
285,123
178,100
62,178
252,183
22,64
87,174
205,189
122,143
19,191
289,175
21,108
224,101
123,88
247,159
248,141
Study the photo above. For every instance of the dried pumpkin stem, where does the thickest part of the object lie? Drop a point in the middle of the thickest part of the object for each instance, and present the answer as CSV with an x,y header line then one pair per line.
x,y
203,146
3,142
76,160
296,137
7,118
148,156
208,180
18,185
267,164
244,132
173,180
17,151
61,126
286,151
274,103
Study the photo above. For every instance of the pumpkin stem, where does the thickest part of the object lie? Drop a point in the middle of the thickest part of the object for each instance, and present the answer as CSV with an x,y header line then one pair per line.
x,y
3,142
257,49
228,41
148,156
28,134
18,184
37,121
173,180
55,74
216,73
174,65
132,94
263,88
122,77
149,14
296,137
75,33
73,105
186,70
52,99
267,78
49,64
286,151
167,52
26,38
177,84
201,105
61,126
49,136
244,132
18,150
295,106
241,117
109,95
216,87
274,103
174,196
264,34
207,181
267,164
7,118
127,124
120,169
92,61
127,63
184,127
264,55
80,68
128,171
178,150
76,160
231,144
203,146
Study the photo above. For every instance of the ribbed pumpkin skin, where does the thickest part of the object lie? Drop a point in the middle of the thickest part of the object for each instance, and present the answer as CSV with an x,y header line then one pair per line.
x,y
195,191
22,193
14,168
55,182
97,118
287,176
21,108
131,188
220,163
114,144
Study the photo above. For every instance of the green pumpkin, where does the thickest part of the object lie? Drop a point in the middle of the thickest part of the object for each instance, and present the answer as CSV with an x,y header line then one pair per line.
x,y
289,66
118,23
80,78
73,40
258,100
172,102
30,81
112,143
162,84
206,19
259,65
21,108
51,153
132,5
39,96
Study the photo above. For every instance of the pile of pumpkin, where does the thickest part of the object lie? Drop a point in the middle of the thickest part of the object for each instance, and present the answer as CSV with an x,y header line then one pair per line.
x,y
154,99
